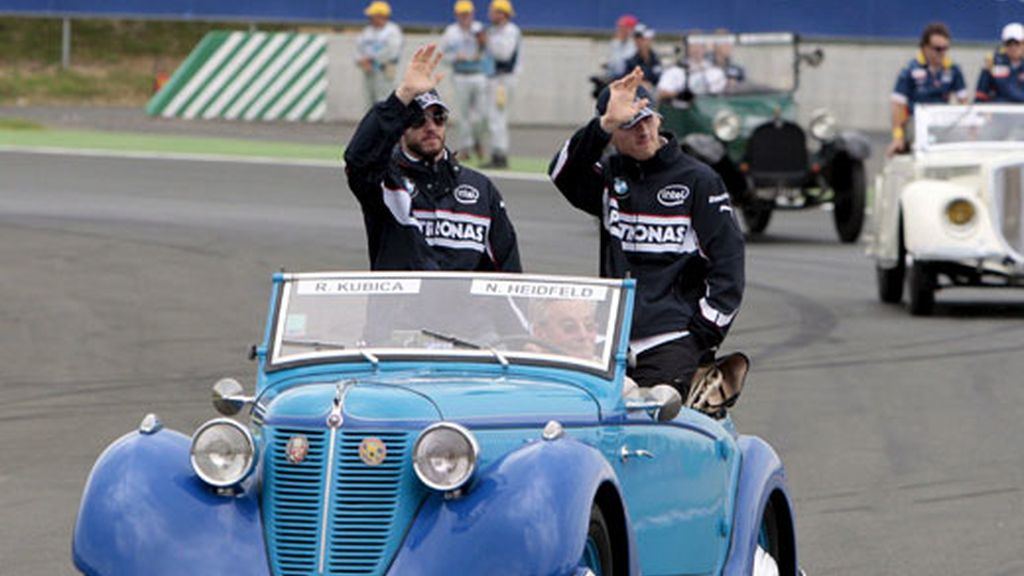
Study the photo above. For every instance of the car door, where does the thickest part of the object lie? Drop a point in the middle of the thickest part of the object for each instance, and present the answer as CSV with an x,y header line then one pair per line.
x,y
678,479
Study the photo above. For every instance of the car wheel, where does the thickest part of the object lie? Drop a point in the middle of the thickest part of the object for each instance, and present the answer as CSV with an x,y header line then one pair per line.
x,y
921,288
756,216
890,283
597,553
848,206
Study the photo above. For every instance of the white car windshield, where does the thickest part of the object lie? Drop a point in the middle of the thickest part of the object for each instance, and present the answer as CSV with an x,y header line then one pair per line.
x,y
495,317
969,127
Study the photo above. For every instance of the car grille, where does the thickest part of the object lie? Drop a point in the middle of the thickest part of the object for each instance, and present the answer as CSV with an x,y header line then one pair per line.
x,y
1009,206
368,508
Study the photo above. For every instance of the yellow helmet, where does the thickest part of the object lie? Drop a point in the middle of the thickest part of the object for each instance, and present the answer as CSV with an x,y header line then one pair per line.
x,y
463,6
503,6
378,8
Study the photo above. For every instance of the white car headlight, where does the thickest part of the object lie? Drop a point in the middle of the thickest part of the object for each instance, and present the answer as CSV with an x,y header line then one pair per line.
x,y
726,125
445,456
222,452
823,125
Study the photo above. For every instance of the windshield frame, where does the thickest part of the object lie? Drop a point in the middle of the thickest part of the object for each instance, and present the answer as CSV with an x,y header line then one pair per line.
x,y
619,290
923,114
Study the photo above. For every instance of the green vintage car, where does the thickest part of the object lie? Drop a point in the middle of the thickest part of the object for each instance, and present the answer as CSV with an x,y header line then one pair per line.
x,y
742,120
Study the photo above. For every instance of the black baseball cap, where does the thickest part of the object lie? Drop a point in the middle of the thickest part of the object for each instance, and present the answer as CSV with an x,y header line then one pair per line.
x,y
431,98
641,93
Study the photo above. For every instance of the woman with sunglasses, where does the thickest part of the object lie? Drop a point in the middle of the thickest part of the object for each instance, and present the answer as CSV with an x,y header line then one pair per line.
x,y
422,209
930,78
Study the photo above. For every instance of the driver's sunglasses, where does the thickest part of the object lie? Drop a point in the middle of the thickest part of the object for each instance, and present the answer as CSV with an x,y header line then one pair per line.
x,y
940,49
1012,43
438,117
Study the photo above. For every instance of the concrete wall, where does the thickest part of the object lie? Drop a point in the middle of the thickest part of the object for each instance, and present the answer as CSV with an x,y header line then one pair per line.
x,y
854,81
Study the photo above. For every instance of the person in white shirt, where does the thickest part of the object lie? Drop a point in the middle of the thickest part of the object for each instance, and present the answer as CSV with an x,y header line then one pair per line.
x,y
377,50
694,76
503,38
463,44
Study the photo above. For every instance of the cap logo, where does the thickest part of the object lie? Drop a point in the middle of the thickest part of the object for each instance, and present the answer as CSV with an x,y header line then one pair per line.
x,y
673,195
466,194
297,449
372,451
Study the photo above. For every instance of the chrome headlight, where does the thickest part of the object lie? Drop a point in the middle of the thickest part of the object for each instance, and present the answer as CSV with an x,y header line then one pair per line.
x,y
726,125
823,125
960,212
222,452
445,455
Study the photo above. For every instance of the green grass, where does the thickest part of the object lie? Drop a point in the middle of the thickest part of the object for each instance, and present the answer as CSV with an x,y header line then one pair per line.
x,y
112,61
24,134
125,142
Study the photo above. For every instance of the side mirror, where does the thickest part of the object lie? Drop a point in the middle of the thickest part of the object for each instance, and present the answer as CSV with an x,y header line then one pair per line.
x,y
670,401
228,397
662,402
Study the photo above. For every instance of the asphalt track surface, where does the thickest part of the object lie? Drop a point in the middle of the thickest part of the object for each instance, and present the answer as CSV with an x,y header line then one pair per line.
x,y
130,286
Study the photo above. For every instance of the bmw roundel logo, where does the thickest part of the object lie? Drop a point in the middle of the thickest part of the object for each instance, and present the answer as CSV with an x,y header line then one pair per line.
x,y
466,194
620,187
673,195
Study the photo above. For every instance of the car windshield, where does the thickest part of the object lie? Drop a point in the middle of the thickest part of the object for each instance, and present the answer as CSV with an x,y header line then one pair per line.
x,y
496,317
759,62
975,126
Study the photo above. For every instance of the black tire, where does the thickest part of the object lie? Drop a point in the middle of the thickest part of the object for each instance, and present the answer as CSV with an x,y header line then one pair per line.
x,y
890,283
848,206
921,289
598,549
769,539
756,216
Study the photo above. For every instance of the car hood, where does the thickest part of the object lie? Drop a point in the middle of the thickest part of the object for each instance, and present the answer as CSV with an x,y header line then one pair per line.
x,y
408,397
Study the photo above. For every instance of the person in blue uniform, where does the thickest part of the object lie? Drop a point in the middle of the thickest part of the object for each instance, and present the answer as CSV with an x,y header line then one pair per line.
x,y
1002,78
930,78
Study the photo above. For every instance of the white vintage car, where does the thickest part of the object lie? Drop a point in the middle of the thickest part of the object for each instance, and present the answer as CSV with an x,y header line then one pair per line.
x,y
952,213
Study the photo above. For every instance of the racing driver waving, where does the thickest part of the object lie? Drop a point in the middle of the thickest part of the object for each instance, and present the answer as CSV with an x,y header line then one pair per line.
x,y
422,209
667,222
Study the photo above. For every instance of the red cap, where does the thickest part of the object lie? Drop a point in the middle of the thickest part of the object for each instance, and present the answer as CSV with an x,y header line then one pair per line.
x,y
626,20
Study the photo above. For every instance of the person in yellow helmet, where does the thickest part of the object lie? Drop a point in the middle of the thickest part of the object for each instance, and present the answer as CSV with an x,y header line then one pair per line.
x,y
503,40
463,44
377,52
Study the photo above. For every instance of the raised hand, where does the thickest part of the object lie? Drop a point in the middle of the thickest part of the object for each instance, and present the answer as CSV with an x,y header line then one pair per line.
x,y
419,74
621,105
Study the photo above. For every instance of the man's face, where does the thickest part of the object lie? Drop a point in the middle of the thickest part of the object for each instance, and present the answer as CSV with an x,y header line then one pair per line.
x,y
426,140
641,142
643,43
464,19
935,50
498,17
1014,49
569,326
623,32
378,20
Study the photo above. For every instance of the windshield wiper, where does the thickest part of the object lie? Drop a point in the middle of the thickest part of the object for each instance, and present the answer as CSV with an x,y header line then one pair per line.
x,y
318,344
456,341
451,339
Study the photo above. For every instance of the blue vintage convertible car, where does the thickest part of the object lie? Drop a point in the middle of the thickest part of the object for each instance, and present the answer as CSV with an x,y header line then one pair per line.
x,y
440,424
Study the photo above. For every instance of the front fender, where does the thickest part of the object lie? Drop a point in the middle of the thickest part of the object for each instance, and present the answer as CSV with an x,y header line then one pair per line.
x,y
527,513
929,236
761,477
853,144
144,511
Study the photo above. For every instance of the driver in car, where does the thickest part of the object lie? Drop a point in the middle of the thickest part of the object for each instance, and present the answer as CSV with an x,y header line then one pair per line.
x,y
564,327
